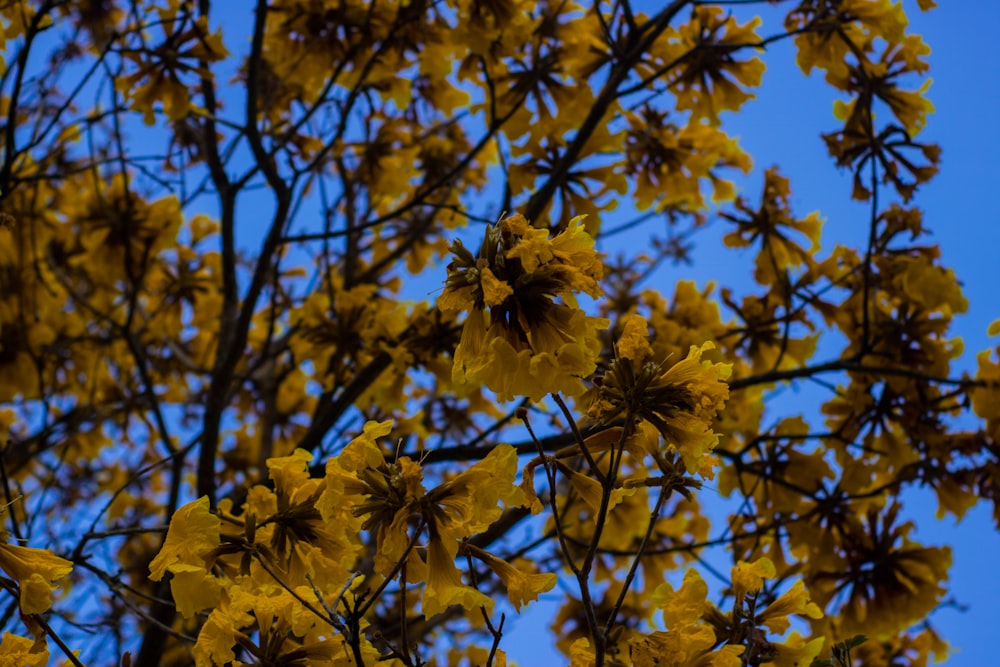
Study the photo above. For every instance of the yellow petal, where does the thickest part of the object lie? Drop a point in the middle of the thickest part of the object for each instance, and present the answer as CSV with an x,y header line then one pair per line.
x,y
495,291
444,582
194,590
193,532
634,341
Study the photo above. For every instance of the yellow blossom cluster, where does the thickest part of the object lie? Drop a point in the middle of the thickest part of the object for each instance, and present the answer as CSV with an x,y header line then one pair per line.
x,y
283,572
524,333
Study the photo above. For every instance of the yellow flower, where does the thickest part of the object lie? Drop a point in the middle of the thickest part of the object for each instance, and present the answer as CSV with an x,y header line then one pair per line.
x,y
520,587
335,327
749,577
389,492
590,490
690,647
472,499
495,291
634,340
533,247
192,535
285,631
581,654
712,83
216,640
921,649
524,334
881,79
194,589
986,399
774,228
842,26
290,475
444,581
18,651
164,73
704,380
796,651
672,164
191,538
794,601
684,606
688,641
364,450
35,571
889,581
681,402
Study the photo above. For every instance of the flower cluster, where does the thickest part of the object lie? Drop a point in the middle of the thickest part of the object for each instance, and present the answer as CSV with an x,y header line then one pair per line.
x,y
680,401
524,334
285,570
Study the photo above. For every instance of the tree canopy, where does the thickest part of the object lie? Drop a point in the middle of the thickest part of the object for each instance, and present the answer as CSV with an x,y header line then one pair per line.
x,y
333,332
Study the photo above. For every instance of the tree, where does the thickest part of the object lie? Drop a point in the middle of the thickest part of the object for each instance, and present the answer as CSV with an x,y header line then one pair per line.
x,y
236,431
